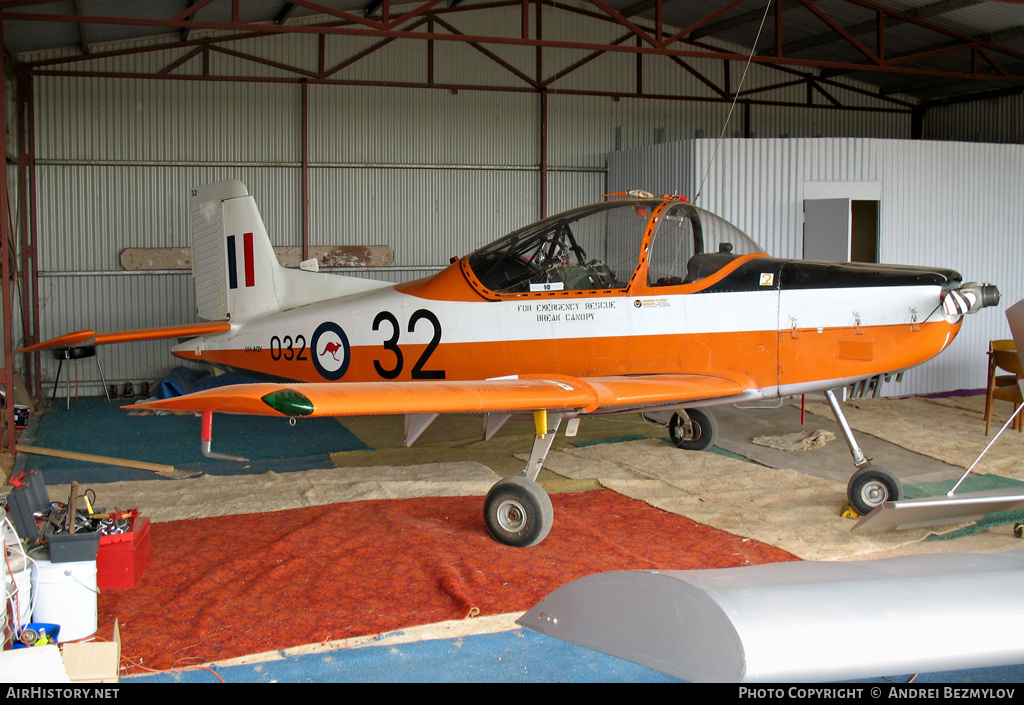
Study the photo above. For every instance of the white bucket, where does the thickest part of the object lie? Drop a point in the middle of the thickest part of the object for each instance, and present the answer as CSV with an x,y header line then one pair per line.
x,y
66,595
18,592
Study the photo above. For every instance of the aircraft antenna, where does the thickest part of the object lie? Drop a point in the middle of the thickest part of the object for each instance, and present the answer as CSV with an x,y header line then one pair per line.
x,y
735,97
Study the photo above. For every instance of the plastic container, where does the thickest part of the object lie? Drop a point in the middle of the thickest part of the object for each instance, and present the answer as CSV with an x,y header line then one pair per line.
x,y
122,557
42,630
27,497
66,595
73,548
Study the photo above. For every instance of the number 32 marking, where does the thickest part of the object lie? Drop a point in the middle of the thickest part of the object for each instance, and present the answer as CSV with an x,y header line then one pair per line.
x,y
391,345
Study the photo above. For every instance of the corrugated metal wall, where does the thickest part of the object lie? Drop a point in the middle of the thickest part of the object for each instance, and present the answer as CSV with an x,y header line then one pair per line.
x,y
432,173
948,204
992,120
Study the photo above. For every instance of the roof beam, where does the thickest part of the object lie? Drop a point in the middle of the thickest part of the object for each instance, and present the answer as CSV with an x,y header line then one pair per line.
x,y
286,13
81,30
986,45
862,28
1016,69
189,15
752,17
972,97
642,6
841,32
352,24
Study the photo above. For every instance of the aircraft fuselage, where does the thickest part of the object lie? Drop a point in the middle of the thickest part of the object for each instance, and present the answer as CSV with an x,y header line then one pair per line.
x,y
778,326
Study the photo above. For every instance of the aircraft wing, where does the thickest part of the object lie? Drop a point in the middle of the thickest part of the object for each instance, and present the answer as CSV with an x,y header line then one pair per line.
x,y
523,393
91,337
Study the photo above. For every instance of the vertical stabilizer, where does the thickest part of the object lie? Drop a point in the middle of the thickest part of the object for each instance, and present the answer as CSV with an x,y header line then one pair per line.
x,y
233,262
236,271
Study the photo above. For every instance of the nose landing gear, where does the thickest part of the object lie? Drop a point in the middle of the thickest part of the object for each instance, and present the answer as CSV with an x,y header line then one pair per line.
x,y
870,485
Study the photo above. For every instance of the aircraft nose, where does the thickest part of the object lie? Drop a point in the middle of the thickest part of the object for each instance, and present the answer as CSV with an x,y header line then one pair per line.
x,y
969,298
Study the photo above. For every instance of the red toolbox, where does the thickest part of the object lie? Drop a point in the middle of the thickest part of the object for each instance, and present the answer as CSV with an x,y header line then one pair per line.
x,y
122,557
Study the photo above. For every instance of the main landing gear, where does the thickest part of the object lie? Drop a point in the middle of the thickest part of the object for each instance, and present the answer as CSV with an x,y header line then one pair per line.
x,y
870,485
693,429
517,510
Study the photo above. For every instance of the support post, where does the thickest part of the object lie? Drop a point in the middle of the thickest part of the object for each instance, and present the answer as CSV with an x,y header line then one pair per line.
x,y
5,268
305,170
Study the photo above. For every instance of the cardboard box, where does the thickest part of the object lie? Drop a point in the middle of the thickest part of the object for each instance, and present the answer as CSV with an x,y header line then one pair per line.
x,y
94,661
121,558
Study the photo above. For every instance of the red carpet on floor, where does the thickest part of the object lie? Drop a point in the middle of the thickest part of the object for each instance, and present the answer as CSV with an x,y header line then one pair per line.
x,y
230,586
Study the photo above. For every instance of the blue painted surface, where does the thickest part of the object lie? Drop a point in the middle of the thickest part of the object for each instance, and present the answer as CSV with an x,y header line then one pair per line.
x,y
519,656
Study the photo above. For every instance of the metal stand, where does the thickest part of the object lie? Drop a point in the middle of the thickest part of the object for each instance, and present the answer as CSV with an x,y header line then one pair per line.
x,y
76,354
206,441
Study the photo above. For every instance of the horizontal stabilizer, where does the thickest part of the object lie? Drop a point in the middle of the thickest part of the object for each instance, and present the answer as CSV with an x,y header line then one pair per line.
x,y
91,337
450,396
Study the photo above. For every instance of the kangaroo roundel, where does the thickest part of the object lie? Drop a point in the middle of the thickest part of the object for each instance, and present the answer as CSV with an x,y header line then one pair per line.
x,y
330,351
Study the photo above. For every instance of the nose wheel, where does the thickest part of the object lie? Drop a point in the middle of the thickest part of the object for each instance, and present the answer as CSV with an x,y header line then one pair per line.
x,y
871,486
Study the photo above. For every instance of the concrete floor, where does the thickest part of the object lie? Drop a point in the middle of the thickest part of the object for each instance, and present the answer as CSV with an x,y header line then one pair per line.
x,y
833,462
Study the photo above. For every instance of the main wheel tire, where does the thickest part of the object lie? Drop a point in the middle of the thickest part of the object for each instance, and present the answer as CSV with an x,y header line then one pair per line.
x,y
705,430
871,486
518,512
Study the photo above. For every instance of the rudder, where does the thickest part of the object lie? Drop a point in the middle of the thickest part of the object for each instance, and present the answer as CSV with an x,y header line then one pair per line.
x,y
233,262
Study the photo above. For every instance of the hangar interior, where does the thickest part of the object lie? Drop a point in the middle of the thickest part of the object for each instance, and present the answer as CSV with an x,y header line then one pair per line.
x,y
420,131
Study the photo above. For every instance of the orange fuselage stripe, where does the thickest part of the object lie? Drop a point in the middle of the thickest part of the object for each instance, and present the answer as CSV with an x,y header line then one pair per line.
x,y
756,359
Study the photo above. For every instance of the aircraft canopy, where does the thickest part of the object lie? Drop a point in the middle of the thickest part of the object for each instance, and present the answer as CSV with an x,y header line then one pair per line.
x,y
599,247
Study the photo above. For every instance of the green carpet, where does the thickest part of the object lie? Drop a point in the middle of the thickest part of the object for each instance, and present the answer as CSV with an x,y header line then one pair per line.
x,y
98,427
973,483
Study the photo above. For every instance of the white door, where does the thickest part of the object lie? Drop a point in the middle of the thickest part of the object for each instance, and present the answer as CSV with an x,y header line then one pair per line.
x,y
827,229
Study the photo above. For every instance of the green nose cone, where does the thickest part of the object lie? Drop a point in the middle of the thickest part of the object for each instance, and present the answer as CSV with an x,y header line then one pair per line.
x,y
289,402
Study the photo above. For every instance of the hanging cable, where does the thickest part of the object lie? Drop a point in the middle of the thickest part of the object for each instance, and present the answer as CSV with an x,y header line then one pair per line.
x,y
732,107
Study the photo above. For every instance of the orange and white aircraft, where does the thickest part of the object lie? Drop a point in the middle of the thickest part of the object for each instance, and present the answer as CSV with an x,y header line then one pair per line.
x,y
633,304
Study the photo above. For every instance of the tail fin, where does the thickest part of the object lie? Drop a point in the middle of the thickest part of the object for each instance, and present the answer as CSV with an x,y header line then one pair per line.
x,y
237,275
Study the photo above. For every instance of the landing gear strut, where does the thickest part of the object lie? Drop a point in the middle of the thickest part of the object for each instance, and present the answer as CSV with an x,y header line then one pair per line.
x,y
517,510
871,485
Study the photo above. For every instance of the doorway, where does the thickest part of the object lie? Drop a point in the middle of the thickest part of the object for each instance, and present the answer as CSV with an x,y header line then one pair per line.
x,y
841,230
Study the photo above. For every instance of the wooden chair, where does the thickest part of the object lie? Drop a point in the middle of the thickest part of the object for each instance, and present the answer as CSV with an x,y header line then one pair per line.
x,y
1002,355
